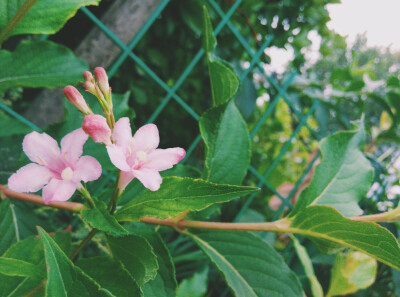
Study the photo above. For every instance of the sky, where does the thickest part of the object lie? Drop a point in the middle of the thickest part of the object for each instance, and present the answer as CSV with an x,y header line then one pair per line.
x,y
380,19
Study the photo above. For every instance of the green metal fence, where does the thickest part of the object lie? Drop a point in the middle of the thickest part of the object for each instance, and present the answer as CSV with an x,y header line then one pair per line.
x,y
171,92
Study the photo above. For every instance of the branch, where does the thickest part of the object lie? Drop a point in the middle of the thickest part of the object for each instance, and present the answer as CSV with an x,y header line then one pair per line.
x,y
276,226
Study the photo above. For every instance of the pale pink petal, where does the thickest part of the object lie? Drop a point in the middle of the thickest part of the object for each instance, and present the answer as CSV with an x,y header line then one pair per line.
x,y
151,179
87,169
43,149
72,145
30,178
162,159
146,138
118,158
96,126
122,133
58,190
125,179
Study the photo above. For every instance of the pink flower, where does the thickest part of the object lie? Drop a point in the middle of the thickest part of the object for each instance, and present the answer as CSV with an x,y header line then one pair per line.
x,y
139,157
96,126
102,80
58,172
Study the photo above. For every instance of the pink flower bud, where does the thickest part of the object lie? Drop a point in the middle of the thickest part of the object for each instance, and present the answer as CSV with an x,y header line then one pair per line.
x,y
75,98
102,80
89,86
87,76
96,126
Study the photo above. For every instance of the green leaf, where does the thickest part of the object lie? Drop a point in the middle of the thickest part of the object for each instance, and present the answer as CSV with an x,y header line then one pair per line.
x,y
63,277
45,17
352,272
164,284
29,250
8,229
209,41
342,178
249,265
176,195
39,64
136,255
110,275
195,286
101,219
324,222
14,126
224,80
15,267
305,260
227,144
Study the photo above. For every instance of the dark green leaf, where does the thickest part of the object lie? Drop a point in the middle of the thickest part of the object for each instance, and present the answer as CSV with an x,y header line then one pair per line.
x,y
110,275
14,127
177,195
15,267
324,222
164,284
101,219
249,265
8,229
227,144
342,178
195,286
136,255
29,250
39,64
63,277
45,17
209,41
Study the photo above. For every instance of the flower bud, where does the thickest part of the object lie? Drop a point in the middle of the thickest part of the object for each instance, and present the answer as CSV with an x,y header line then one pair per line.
x,y
75,98
102,80
90,87
96,127
87,76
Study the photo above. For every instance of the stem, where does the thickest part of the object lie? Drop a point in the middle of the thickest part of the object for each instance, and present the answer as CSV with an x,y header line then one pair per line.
x,y
70,206
112,205
37,289
83,243
22,11
85,193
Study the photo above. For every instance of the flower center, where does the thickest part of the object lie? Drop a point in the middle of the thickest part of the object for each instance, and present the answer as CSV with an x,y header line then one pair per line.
x,y
67,173
142,156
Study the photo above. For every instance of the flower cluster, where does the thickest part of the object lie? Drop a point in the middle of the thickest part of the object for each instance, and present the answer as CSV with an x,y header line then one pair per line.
x,y
60,171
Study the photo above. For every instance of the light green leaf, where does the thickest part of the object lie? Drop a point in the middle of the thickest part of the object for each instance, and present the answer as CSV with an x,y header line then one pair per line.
x,y
63,277
101,219
209,41
45,17
176,195
224,80
136,255
326,223
249,265
14,127
194,286
110,275
15,267
352,272
305,260
39,64
29,250
164,284
342,178
227,144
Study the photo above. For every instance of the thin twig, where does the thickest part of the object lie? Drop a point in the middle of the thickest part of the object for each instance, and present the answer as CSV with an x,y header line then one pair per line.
x,y
83,243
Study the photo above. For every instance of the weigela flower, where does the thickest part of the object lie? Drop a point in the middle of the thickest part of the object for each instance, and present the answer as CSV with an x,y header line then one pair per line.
x,y
96,126
76,98
139,157
58,172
